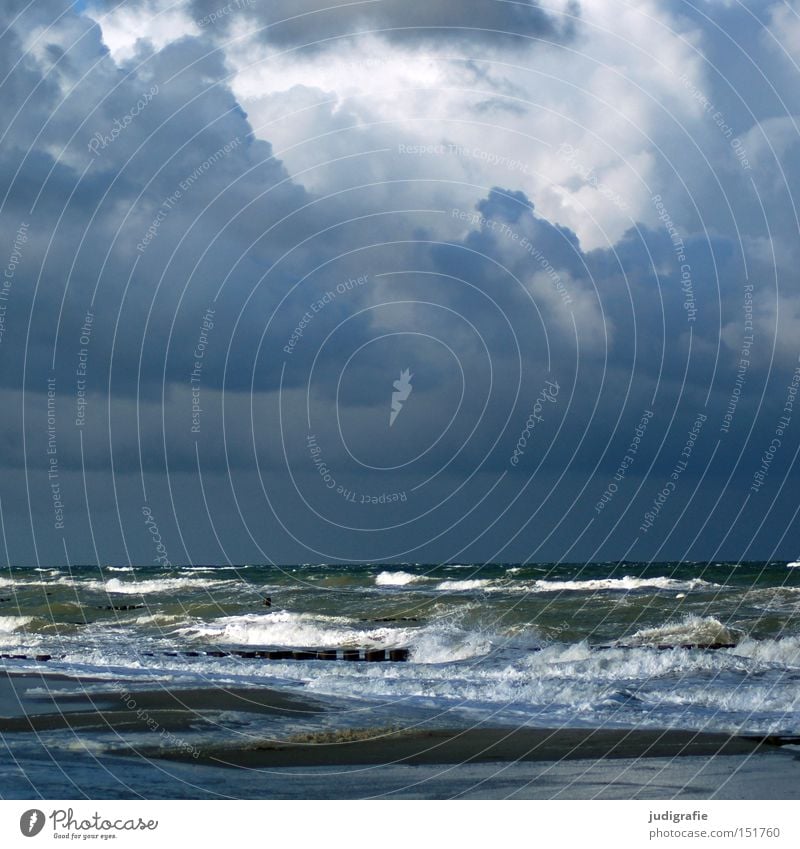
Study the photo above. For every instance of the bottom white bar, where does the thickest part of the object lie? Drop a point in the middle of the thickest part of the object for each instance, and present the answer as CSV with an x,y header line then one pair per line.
x,y
394,825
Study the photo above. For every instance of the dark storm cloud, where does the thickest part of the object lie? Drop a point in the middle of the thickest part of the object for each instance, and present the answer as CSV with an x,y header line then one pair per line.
x,y
313,23
123,167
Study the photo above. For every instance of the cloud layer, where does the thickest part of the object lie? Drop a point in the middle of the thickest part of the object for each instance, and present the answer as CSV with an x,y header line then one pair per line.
x,y
229,229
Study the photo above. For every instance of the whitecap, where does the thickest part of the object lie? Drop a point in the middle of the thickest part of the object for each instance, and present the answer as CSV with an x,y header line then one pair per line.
x,y
625,584
461,586
285,628
397,579
9,624
115,585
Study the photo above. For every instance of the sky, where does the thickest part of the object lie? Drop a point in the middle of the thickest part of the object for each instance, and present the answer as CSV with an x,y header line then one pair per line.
x,y
303,282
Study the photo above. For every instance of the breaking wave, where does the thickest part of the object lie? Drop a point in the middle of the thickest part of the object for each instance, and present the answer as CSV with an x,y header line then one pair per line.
x,y
625,584
300,630
691,630
397,579
115,585
461,586
9,624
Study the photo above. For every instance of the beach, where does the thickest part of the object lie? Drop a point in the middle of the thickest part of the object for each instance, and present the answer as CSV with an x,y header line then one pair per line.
x,y
527,681
477,762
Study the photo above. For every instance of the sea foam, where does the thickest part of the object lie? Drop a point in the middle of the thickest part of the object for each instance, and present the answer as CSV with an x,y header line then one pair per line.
x,y
624,584
9,624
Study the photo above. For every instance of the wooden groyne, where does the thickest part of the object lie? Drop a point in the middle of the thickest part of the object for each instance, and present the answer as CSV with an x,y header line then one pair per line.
x,y
366,655
397,655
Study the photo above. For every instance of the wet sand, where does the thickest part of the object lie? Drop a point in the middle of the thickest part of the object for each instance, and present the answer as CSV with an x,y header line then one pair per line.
x,y
477,745
331,762
45,702
57,702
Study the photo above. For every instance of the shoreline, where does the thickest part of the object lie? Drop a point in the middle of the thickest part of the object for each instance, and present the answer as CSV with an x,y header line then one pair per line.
x,y
297,748
132,709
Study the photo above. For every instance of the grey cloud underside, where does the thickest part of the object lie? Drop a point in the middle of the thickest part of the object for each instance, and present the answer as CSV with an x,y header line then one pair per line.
x,y
316,24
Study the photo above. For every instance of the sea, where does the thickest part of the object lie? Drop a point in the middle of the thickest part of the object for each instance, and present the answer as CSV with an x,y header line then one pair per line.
x,y
705,646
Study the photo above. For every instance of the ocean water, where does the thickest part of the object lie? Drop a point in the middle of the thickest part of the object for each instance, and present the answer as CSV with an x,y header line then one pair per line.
x,y
550,645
